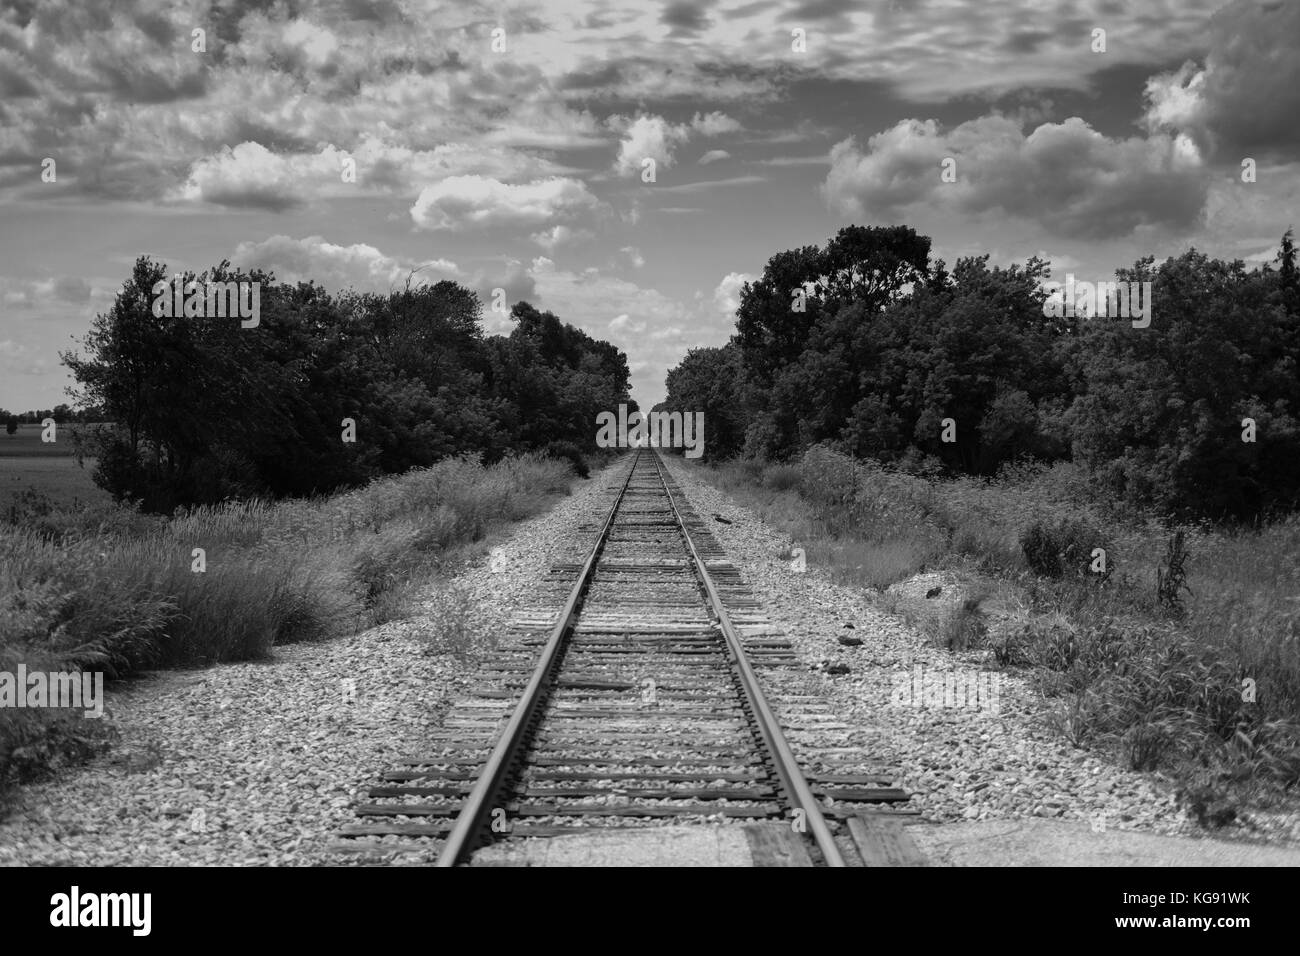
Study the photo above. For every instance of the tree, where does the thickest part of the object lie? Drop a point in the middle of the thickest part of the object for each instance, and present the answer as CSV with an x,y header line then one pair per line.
x,y
1160,419
200,409
11,425
707,380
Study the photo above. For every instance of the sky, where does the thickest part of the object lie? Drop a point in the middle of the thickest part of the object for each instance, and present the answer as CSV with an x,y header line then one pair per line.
x,y
505,146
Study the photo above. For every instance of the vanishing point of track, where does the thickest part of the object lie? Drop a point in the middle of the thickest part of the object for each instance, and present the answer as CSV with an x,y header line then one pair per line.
x,y
637,704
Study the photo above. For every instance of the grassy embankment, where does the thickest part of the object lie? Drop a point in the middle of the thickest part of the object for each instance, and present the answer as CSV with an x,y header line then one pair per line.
x,y
1156,660
100,587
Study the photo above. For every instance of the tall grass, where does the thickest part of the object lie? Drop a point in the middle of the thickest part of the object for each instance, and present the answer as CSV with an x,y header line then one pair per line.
x,y
101,589
1206,689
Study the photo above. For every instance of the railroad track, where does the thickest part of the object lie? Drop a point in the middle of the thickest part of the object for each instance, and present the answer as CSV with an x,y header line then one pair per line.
x,y
629,697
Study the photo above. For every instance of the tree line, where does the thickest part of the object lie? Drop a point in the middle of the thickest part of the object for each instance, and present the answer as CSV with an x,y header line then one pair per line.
x,y
328,391
61,414
868,345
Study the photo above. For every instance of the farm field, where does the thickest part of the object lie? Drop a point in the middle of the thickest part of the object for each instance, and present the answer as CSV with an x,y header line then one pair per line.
x,y
49,467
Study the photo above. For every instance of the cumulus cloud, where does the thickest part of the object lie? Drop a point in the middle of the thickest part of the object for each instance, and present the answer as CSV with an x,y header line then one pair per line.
x,y
1067,177
634,256
1246,97
713,155
480,201
359,265
647,137
726,297
252,176
653,137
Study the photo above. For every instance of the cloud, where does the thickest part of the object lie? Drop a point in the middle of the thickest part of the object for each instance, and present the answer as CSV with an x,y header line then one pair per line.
x,y
633,256
252,176
714,124
359,265
624,323
726,297
705,185
685,17
459,202
556,236
364,268
38,293
1067,177
658,331
647,137
713,155
515,280
1247,96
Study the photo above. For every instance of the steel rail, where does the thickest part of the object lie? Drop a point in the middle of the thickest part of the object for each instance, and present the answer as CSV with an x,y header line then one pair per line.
x,y
784,761
477,807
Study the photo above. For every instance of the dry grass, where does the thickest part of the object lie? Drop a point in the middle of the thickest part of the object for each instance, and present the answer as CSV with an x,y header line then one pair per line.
x,y
104,589
1162,685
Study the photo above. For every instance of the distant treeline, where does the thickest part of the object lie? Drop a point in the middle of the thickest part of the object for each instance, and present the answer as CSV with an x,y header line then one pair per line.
x,y
202,409
60,413
868,346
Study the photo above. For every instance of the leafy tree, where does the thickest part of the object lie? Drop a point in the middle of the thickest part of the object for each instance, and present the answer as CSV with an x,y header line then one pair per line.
x,y
708,380
200,409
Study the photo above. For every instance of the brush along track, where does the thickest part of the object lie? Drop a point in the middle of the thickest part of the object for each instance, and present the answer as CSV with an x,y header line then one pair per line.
x,y
628,697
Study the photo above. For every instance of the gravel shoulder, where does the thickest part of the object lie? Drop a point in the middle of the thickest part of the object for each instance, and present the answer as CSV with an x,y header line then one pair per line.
x,y
961,763
259,763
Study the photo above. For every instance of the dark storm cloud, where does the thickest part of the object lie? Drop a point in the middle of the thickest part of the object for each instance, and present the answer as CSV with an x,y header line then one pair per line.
x,y
1247,96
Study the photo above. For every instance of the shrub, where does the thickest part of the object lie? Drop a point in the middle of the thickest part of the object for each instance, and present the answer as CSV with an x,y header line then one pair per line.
x,y
1066,546
568,451
451,628
964,626
781,477
1040,550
